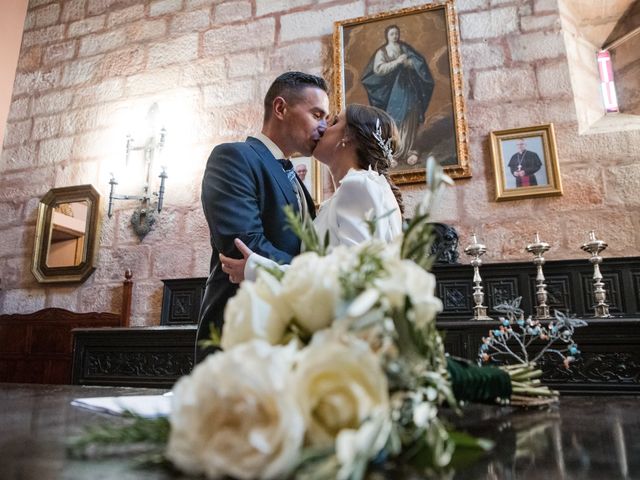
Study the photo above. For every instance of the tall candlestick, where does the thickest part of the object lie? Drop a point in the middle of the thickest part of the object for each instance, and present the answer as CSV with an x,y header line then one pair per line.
x,y
594,247
538,248
476,250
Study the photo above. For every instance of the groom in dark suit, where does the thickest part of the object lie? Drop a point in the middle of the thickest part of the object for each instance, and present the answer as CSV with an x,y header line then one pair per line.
x,y
246,186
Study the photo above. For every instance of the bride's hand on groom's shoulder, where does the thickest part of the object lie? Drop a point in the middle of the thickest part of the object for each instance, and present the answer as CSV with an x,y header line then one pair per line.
x,y
234,267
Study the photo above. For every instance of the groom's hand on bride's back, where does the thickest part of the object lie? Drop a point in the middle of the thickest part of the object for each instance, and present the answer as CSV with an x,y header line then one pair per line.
x,y
234,267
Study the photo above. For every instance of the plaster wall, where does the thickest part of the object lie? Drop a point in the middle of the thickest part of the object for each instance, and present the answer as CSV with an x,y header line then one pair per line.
x,y
90,71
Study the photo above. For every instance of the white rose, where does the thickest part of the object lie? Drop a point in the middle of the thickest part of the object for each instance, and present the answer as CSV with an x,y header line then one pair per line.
x,y
311,289
254,313
338,384
233,415
408,279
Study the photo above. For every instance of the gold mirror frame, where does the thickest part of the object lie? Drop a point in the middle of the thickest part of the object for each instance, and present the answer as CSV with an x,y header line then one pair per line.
x,y
85,266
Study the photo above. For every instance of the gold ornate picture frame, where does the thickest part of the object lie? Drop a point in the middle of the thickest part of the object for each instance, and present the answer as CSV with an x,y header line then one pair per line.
x,y
407,62
525,162
309,171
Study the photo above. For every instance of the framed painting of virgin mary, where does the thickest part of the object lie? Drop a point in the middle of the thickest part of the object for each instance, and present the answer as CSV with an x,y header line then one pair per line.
x,y
407,63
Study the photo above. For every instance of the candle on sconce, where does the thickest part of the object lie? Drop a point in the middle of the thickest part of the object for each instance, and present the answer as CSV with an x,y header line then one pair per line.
x,y
594,247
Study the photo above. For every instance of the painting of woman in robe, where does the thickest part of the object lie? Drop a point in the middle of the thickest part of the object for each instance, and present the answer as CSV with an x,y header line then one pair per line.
x,y
407,63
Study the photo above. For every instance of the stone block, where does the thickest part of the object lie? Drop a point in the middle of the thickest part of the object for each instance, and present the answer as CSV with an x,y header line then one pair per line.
x,y
466,5
246,64
52,102
59,52
19,157
201,258
19,109
105,297
55,150
265,7
161,7
614,227
43,36
44,17
554,80
126,15
45,127
622,185
489,23
10,214
180,50
482,55
123,63
530,47
113,262
25,184
517,83
147,30
17,133
232,11
583,189
186,22
102,42
146,312
63,297
296,55
228,93
79,121
23,300
191,4
72,10
80,71
172,261
79,173
152,82
106,91
30,59
14,240
316,22
204,71
540,6
39,81
95,7
540,22
86,26
234,38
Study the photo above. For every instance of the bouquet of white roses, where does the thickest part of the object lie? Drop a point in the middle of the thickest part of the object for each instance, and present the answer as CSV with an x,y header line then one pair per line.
x,y
327,366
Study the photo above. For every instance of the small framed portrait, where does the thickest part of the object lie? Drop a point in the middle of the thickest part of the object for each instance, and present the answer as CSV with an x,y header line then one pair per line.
x,y
308,170
407,63
525,162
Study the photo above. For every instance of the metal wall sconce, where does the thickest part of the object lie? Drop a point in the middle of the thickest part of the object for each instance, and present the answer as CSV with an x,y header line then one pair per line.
x,y
143,218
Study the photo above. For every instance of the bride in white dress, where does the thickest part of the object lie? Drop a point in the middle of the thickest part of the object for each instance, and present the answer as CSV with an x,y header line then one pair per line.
x,y
357,147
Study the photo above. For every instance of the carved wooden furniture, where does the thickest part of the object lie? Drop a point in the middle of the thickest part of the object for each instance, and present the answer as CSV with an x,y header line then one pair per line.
x,y
145,356
610,360
37,347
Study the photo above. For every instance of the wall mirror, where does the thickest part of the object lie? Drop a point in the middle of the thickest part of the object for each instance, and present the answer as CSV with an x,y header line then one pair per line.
x,y
66,235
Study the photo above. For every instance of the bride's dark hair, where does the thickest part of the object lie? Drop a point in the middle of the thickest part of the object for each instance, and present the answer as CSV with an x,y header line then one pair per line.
x,y
361,125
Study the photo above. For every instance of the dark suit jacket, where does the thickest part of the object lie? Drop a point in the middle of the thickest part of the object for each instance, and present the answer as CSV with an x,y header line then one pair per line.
x,y
244,191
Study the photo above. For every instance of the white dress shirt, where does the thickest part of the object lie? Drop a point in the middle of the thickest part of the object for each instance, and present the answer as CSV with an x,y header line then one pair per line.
x,y
360,195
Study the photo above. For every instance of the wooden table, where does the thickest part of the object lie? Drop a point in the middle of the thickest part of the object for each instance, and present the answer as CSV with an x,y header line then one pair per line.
x,y
585,437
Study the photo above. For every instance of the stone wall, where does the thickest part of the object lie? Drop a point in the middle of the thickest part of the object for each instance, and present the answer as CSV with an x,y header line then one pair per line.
x,y
90,70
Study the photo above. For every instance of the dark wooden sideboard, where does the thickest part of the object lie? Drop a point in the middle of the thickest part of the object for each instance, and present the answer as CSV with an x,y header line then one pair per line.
x,y
610,360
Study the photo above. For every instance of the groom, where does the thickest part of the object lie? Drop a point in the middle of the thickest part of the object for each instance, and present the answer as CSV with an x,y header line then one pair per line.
x,y
246,187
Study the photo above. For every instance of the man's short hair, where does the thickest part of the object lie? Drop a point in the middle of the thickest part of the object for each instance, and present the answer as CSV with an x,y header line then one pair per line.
x,y
289,85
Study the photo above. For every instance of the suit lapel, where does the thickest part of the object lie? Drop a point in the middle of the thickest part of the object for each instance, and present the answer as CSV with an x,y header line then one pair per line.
x,y
308,198
275,169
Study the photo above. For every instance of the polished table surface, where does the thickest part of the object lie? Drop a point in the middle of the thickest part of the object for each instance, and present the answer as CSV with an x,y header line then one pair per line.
x,y
595,437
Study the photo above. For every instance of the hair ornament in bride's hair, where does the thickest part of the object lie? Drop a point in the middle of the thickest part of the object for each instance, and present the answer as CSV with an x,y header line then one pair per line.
x,y
385,145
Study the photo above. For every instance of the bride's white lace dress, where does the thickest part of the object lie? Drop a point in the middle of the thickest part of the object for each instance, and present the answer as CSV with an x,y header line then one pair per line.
x,y
360,195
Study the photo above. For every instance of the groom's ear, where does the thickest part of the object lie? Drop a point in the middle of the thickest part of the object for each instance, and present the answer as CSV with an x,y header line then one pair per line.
x,y
279,106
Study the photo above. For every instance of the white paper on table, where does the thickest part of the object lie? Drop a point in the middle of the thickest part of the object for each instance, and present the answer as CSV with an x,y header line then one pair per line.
x,y
148,406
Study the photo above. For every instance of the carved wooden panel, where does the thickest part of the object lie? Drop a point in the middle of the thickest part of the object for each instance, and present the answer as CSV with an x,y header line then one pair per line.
x,y
558,292
456,296
500,290
635,279
612,285
181,299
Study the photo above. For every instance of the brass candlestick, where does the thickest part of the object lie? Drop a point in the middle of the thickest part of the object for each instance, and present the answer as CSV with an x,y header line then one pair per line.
x,y
476,250
538,248
594,247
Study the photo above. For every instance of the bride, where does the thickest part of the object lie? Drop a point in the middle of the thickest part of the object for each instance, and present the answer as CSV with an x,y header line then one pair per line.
x,y
358,148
